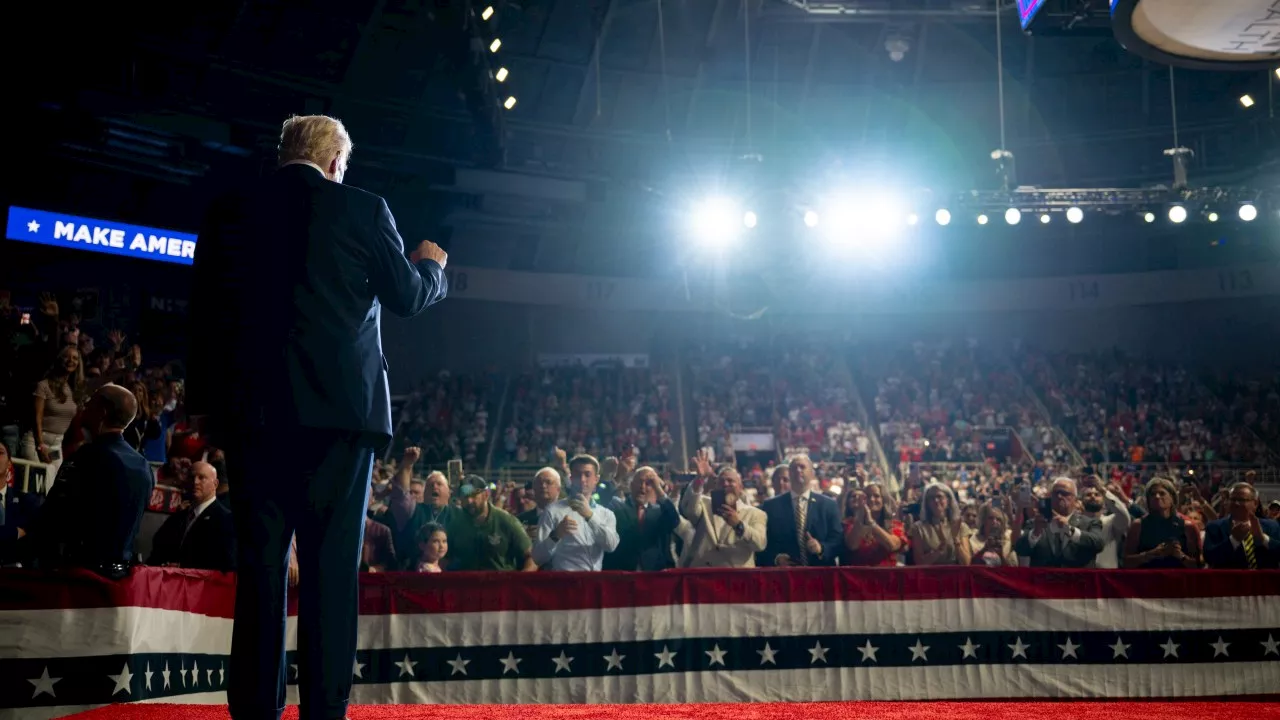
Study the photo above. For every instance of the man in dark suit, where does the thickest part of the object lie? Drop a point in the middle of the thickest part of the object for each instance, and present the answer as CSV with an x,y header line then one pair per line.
x,y
647,521
1064,538
286,366
1242,540
203,536
803,527
95,507
17,511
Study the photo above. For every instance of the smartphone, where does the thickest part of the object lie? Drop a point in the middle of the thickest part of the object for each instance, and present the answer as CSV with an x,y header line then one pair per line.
x,y
26,319
720,498
454,472
1046,509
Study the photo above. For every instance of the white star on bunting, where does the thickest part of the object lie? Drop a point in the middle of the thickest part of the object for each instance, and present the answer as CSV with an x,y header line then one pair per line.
x,y
183,670
165,674
665,658
294,668
1019,650
1270,645
1120,649
562,662
1170,648
918,652
817,653
44,684
357,669
459,665
510,663
1069,650
122,681
33,226
614,660
1220,647
766,655
195,672
208,677
969,649
406,666
869,651
148,675
716,654
222,675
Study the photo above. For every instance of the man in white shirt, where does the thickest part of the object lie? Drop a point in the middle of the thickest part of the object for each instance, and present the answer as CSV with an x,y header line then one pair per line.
x,y
575,533
728,536
1114,514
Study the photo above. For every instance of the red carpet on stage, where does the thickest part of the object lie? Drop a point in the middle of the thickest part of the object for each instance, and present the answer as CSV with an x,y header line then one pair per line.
x,y
743,711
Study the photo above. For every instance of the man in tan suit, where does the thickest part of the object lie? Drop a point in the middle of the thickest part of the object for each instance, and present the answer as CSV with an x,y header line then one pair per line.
x,y
726,536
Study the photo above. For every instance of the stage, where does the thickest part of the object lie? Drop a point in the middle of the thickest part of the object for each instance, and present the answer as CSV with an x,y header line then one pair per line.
x,y
686,641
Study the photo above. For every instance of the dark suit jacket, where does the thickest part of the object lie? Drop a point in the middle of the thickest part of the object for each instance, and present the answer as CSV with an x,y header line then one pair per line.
x,y
1056,550
210,544
291,275
94,510
20,510
1220,553
822,522
649,549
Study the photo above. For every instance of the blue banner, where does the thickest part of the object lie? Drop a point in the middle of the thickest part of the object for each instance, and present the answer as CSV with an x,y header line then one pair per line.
x,y
113,238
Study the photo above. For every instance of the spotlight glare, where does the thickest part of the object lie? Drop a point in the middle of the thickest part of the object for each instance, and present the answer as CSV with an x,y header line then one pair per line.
x,y
487,13
1248,212
912,219
1074,215
716,221
810,218
1278,73
493,46
1044,219
982,219
943,216
749,219
1013,216
1177,214
501,75
510,102
1213,217
1246,100
1149,217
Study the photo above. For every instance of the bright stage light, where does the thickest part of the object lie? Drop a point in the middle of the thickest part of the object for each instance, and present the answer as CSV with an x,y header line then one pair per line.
x,y
1044,219
510,102
1149,217
913,219
1013,216
486,13
982,219
1177,214
810,218
1246,100
493,46
1278,73
749,219
1074,215
501,75
1248,212
1213,217
943,216
717,221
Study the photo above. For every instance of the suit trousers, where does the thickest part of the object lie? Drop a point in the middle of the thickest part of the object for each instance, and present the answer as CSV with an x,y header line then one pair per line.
x,y
314,482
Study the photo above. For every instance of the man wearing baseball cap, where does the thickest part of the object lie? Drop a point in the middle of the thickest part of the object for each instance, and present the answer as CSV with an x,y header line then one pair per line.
x,y
485,537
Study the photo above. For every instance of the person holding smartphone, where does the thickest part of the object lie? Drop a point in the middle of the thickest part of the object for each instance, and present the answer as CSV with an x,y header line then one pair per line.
x,y
1058,535
727,531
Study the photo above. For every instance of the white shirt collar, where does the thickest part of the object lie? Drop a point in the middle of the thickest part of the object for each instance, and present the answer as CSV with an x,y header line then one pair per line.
x,y
199,509
803,496
309,163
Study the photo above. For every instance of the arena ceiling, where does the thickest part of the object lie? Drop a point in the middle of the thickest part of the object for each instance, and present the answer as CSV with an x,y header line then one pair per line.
x,y
637,95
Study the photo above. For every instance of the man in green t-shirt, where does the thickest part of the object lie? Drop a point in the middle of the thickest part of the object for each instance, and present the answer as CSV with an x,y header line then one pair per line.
x,y
484,537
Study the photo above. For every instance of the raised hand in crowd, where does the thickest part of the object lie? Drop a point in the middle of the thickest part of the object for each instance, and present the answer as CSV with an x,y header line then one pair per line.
x,y
702,465
49,305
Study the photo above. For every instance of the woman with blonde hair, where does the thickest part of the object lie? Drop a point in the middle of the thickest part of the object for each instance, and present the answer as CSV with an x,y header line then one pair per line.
x,y
873,534
57,399
1162,538
992,543
941,537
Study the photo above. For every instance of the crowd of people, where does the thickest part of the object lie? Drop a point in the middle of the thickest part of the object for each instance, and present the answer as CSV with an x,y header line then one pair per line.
x,y
600,410
72,389
1121,409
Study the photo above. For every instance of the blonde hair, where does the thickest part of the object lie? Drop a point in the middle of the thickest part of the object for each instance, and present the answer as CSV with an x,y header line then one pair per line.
x,y
314,138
